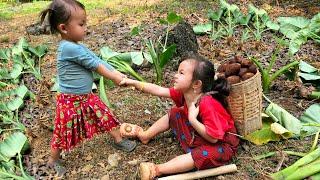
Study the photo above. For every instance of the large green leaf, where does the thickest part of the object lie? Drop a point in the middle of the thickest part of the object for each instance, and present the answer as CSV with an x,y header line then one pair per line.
x,y
128,57
305,67
7,169
314,25
15,97
14,104
39,51
297,40
284,118
272,25
255,11
263,135
215,15
299,22
167,55
137,57
288,30
107,53
21,91
19,47
244,19
148,57
4,74
16,71
311,116
308,76
12,145
5,54
202,28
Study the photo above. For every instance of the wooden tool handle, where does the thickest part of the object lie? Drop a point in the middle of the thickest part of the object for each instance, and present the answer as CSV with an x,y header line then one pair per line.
x,y
202,173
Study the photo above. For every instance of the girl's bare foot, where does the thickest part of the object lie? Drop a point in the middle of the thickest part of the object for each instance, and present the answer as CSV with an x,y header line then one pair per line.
x,y
148,171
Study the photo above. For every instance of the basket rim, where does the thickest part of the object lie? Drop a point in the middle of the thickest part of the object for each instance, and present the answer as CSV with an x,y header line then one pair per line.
x,y
242,82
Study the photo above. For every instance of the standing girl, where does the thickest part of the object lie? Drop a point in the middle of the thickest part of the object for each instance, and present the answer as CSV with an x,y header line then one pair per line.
x,y
80,114
199,121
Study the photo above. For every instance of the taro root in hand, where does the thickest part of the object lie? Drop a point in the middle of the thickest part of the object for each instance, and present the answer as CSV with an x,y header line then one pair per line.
x,y
128,128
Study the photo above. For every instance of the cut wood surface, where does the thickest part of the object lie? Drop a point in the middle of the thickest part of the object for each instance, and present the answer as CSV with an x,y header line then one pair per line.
x,y
203,173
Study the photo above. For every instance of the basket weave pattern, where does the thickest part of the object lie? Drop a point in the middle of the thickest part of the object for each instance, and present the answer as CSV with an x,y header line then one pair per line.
x,y
245,104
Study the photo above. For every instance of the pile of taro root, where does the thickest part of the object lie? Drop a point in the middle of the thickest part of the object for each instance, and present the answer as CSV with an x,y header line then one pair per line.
x,y
237,70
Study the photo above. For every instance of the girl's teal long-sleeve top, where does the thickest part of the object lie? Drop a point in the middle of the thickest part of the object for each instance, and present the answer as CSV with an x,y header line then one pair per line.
x,y
75,63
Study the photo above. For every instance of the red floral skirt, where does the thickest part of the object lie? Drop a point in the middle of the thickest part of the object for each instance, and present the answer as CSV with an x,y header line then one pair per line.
x,y
80,117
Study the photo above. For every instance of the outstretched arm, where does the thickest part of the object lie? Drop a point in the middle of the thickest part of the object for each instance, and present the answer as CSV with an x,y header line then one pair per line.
x,y
113,74
148,87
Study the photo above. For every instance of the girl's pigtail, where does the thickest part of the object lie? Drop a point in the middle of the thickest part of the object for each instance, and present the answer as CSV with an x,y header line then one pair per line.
x,y
222,87
43,15
46,15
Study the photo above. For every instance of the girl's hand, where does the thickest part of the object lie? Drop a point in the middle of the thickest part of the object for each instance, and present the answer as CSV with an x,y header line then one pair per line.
x,y
127,81
123,81
193,112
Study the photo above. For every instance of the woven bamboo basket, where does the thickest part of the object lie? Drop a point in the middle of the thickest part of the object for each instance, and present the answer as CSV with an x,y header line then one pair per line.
x,y
245,104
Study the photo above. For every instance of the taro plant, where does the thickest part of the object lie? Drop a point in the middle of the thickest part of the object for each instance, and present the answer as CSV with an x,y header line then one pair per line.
x,y
24,59
299,30
267,76
222,22
311,81
214,28
11,149
158,53
306,166
231,13
122,61
11,101
261,22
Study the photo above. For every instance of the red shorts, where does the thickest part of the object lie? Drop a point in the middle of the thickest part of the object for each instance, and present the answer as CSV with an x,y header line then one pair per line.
x,y
204,154
80,117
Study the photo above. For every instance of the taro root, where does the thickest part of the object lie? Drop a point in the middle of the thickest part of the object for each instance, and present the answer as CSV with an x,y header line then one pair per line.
x,y
245,63
238,58
233,79
243,71
222,68
128,128
253,68
247,76
232,61
232,69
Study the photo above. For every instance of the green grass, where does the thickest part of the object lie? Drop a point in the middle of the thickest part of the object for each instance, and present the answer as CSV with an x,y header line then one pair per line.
x,y
11,9
8,10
